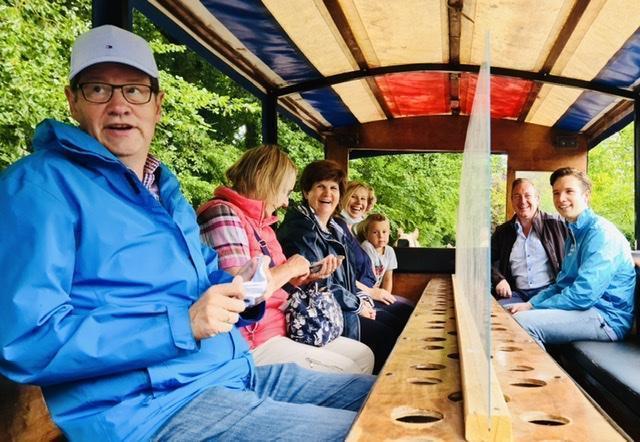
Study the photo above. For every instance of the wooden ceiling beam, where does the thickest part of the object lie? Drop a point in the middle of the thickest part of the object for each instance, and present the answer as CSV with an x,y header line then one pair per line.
x,y
530,146
341,22
563,37
617,113
593,85
455,17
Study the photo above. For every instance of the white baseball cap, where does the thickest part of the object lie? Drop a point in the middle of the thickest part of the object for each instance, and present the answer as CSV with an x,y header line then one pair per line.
x,y
109,43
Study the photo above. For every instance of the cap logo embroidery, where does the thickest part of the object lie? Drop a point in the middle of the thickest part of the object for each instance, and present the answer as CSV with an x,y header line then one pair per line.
x,y
109,47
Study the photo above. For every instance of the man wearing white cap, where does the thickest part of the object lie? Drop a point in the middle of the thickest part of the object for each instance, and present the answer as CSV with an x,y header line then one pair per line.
x,y
109,300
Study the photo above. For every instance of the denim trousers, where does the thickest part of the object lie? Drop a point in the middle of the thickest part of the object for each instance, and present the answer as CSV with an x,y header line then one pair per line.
x,y
554,326
521,295
286,403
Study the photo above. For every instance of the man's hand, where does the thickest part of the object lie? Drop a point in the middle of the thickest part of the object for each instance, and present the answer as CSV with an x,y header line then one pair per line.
x,y
382,295
503,290
217,310
519,307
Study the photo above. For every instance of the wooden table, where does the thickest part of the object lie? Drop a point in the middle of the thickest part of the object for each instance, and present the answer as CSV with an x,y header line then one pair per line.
x,y
417,396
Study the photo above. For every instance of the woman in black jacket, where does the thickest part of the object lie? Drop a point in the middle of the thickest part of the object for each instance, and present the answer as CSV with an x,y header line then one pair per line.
x,y
311,231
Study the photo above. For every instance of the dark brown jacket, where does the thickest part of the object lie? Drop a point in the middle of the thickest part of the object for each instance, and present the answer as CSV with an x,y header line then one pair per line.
x,y
551,230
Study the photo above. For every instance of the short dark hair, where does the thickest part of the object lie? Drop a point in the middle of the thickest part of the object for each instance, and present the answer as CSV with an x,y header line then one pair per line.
x,y
572,171
322,170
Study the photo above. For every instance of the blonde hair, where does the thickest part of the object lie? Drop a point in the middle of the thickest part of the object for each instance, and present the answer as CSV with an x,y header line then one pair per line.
x,y
351,188
261,172
362,228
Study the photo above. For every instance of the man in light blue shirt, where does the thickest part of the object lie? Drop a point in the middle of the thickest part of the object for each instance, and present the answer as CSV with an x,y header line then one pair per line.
x,y
592,298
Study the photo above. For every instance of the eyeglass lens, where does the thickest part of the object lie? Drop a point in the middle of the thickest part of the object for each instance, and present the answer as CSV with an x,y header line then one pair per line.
x,y
102,92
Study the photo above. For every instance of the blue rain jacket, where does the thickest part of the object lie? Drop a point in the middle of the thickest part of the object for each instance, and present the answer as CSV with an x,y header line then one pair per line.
x,y
97,279
597,271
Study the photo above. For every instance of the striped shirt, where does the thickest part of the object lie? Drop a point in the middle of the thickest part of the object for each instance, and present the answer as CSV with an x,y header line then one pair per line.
x,y
224,231
149,176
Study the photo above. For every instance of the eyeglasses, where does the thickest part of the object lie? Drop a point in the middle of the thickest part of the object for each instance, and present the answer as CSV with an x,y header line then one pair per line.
x,y
102,92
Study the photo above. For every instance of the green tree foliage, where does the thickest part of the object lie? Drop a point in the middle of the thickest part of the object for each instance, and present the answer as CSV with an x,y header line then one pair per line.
x,y
208,121
420,191
416,191
34,49
611,170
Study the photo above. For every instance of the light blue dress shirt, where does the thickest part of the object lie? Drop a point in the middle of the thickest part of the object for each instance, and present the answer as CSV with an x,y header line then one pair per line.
x,y
529,262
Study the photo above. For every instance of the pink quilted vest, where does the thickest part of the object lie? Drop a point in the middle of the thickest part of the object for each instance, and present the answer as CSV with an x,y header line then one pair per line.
x,y
251,214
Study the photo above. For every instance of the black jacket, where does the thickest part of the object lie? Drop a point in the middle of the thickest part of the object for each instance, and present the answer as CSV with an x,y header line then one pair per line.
x,y
300,233
552,232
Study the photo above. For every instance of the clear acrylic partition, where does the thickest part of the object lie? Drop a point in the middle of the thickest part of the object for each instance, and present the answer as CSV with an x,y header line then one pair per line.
x,y
474,218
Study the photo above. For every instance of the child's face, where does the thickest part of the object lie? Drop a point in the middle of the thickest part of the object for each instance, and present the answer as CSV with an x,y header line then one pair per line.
x,y
378,234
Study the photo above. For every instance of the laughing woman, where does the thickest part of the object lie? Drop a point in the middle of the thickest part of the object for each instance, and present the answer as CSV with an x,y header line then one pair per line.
x,y
237,223
311,231
357,201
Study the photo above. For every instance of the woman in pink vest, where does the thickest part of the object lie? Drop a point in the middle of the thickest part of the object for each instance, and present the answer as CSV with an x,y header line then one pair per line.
x,y
234,222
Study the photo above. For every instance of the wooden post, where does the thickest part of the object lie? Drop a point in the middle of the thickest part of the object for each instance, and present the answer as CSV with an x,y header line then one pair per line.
x,y
636,155
112,12
336,151
269,119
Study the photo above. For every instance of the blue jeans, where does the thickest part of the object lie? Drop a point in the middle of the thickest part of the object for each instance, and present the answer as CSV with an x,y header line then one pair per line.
x,y
521,295
555,326
286,403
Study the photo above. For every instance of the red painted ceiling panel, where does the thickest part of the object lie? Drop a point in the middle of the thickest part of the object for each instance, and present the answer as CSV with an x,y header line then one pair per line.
x,y
508,95
416,93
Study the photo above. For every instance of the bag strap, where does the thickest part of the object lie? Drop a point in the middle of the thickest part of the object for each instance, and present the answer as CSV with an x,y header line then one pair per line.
x,y
288,287
263,246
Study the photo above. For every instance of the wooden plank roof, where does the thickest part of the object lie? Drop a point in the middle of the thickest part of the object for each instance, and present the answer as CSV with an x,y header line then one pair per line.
x,y
573,65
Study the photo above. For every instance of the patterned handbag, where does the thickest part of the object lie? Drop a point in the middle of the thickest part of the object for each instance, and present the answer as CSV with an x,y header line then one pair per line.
x,y
313,316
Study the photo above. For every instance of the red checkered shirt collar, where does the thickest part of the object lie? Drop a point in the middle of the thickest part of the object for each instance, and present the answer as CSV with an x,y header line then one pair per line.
x,y
149,176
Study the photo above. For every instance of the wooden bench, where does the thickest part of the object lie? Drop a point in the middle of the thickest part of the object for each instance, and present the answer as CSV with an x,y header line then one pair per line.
x,y
609,372
24,416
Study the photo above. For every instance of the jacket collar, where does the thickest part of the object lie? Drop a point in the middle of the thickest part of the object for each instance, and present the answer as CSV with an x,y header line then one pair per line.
x,y
584,220
536,221
309,213
253,209
52,134
349,219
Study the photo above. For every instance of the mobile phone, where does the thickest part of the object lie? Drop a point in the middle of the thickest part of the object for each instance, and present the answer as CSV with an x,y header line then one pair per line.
x,y
315,267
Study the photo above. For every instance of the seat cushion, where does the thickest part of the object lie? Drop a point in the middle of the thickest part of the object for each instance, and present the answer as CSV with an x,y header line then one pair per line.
x,y
616,365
